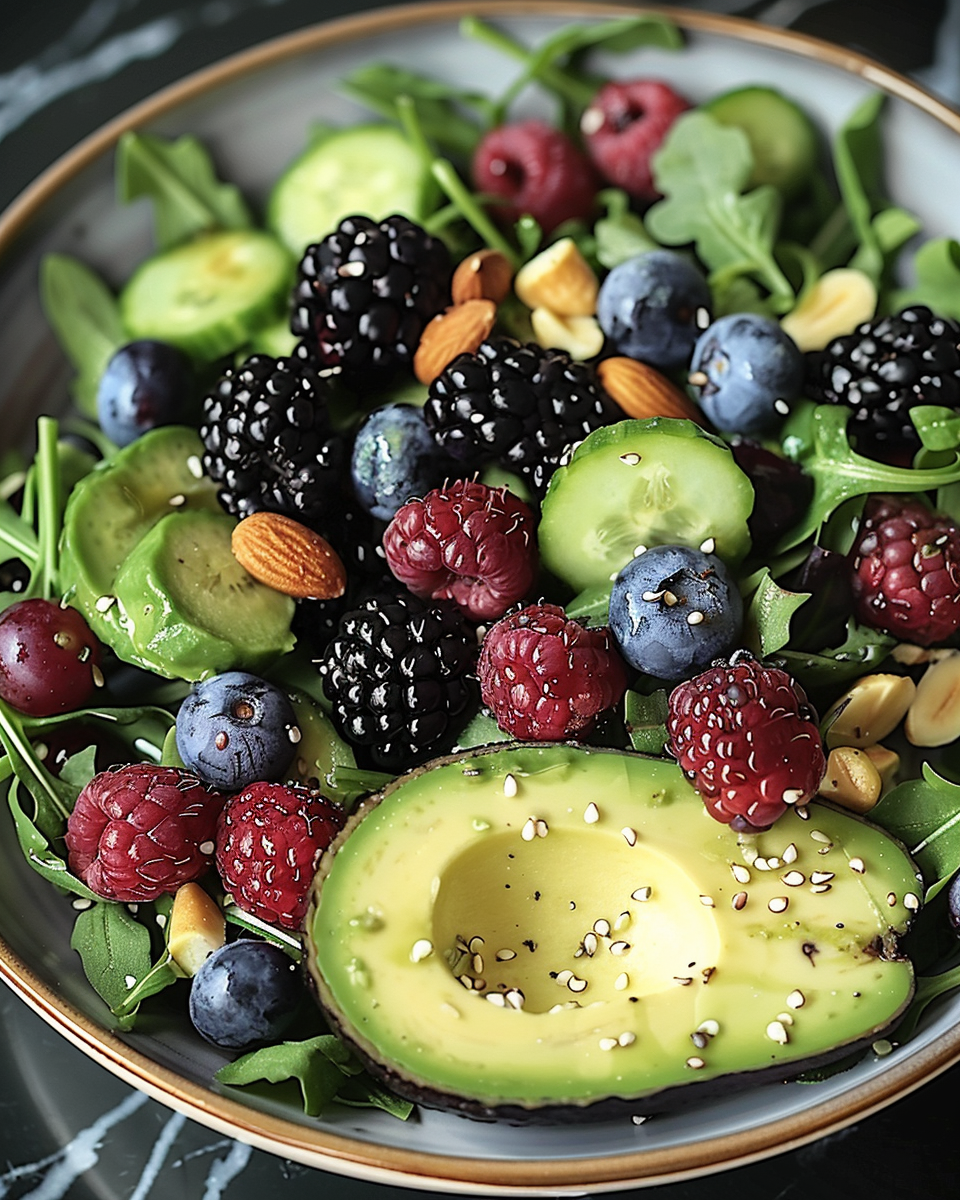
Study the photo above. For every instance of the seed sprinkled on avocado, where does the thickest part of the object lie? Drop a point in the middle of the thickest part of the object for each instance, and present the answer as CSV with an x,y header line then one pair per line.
x,y
627,1038
642,894
891,898
777,1032
707,902
683,980
819,888
790,854
796,999
778,904
591,814
710,1027
785,1018
608,1043
739,901
619,947
818,836
622,921
629,836
515,998
622,982
857,865
529,830
497,999
793,878
510,787
602,927
505,955
590,944
911,902
695,1063
802,812
740,874
700,1040
577,985
821,876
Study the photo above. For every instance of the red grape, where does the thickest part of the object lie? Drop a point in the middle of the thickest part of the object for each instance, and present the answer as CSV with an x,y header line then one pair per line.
x,y
49,658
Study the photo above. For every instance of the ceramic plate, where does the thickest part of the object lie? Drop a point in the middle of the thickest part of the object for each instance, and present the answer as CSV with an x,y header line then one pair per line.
x,y
254,111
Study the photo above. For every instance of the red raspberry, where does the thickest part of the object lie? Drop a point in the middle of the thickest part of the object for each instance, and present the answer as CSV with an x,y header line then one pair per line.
x,y
269,841
748,738
623,127
547,677
535,169
139,830
907,570
468,543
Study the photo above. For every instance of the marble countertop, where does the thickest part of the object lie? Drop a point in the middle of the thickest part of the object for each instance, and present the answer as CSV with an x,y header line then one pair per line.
x,y
69,1129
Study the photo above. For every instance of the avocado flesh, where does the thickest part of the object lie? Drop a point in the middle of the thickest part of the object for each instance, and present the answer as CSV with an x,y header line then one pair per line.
x,y
446,857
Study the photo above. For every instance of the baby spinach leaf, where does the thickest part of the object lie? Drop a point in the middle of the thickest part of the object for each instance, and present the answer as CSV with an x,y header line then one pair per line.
x,y
37,850
939,428
645,718
839,473
929,987
85,317
620,234
365,1092
114,948
863,651
80,768
53,798
767,621
937,268
702,169
924,814
180,179
858,159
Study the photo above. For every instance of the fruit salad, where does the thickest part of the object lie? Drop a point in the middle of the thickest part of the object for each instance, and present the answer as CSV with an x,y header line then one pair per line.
x,y
570,509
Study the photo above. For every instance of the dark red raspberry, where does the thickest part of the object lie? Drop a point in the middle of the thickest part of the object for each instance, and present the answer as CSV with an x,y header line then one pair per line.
x,y
533,168
546,677
907,570
749,740
466,542
624,125
269,841
139,830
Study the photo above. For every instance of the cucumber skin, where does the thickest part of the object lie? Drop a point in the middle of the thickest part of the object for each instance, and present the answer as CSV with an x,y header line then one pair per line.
x,y
561,550
784,122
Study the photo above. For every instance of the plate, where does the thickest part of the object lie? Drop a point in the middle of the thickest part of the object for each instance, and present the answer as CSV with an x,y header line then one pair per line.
x,y
254,111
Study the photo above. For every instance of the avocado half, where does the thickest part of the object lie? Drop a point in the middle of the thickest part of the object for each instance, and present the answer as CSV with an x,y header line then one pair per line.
x,y
541,931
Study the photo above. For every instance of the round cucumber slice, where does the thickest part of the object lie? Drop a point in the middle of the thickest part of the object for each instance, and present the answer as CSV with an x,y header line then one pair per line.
x,y
210,295
370,170
654,482
782,137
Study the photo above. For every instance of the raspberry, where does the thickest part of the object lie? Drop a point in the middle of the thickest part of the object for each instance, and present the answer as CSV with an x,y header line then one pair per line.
x,y
269,841
624,125
907,570
532,168
547,677
139,830
468,543
745,734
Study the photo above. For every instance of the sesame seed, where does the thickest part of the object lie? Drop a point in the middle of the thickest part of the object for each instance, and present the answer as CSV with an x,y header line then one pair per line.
x,y
622,982
793,878
630,460
739,901
475,944
785,1018
619,947
590,944
707,974
505,955
761,864
294,734
695,1063
776,1032
911,902
858,865
160,918
700,1040
577,985
802,812
891,898
796,999
819,836
651,597
80,904
821,876
542,828
683,980
790,854
195,466
694,618
177,501
708,545
638,1120
497,999
782,407
529,831
740,874
622,922
477,963
627,1038
98,680
638,550
792,796
608,1043
207,847
602,927
710,1027
466,981
591,814
129,980
564,977
670,599
515,998
629,836
778,904
773,863
707,902
509,785
641,894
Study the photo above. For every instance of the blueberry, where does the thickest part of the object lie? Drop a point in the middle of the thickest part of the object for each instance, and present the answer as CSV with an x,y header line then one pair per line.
x,y
234,729
145,384
748,371
395,457
246,993
674,610
653,307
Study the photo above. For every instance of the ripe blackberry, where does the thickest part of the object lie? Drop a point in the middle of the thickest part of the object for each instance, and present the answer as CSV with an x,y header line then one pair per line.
x,y
546,677
364,294
884,368
398,674
268,439
906,563
518,405
745,734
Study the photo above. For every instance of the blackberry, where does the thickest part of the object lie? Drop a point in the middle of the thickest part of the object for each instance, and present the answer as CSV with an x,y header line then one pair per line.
x,y
518,405
364,294
399,676
884,368
268,439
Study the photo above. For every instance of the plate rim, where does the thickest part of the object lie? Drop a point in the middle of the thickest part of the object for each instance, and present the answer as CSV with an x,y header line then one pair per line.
x,y
326,1149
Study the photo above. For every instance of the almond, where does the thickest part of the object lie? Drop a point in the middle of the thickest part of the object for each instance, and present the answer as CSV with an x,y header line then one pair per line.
x,y
288,557
458,330
486,275
561,279
641,391
581,337
196,928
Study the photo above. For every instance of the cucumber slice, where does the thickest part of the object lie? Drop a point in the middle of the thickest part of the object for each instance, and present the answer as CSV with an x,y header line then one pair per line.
x,y
113,507
210,295
190,608
370,170
660,481
782,137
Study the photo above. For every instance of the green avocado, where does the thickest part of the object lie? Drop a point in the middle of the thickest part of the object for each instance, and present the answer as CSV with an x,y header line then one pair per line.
x,y
524,928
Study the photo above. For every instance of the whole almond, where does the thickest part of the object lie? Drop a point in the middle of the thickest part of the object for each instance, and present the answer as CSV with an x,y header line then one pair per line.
x,y
641,391
486,275
458,330
288,557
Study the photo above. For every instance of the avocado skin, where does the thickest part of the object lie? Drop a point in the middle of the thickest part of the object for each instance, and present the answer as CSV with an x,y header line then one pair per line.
x,y
612,1107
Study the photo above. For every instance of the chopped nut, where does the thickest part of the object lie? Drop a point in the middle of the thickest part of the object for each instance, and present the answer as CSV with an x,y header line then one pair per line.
x,y
869,711
561,279
887,763
581,337
852,780
933,718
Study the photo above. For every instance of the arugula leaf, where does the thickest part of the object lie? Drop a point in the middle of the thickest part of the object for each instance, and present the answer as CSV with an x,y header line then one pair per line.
x,y
937,268
839,473
702,169
767,622
114,949
929,987
938,427
863,651
85,317
592,604
37,850
322,1066
924,814
180,179
53,798
645,718
80,768
858,159
621,233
